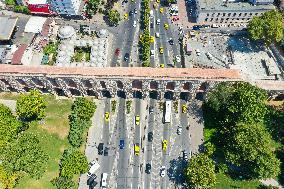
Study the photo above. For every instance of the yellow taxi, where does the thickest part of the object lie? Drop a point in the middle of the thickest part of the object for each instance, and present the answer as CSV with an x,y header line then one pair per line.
x,y
107,116
161,50
137,120
136,149
132,1
162,65
162,10
152,39
125,16
166,26
158,1
164,145
184,109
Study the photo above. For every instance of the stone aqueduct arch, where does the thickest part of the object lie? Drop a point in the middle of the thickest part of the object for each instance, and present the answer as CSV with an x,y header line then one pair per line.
x,y
99,81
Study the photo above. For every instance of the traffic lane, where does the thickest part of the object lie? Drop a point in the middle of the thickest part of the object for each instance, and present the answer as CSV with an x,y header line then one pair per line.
x,y
136,161
122,166
184,124
149,147
166,136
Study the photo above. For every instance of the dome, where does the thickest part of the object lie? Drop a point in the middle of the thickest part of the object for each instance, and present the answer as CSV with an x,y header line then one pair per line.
x,y
65,32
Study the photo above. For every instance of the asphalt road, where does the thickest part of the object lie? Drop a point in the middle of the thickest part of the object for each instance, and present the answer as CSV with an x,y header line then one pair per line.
x,y
137,140
123,152
149,144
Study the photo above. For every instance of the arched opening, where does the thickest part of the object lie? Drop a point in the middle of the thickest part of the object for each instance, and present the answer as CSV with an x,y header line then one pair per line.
x,y
184,96
169,95
136,84
170,86
59,92
119,85
154,85
200,96
75,92
187,86
153,94
87,84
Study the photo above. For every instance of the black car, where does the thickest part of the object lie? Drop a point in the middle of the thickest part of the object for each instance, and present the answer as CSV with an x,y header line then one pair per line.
x,y
196,27
171,41
152,25
151,109
131,13
126,57
150,136
106,151
91,179
148,168
100,148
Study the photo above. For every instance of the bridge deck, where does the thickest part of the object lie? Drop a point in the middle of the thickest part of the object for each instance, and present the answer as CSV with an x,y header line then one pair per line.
x,y
120,72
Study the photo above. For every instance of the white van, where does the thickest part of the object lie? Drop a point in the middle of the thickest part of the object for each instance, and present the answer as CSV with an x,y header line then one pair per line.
x,y
104,180
94,166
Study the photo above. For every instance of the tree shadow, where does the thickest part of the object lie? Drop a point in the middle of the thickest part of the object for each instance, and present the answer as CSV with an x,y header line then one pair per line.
x,y
176,171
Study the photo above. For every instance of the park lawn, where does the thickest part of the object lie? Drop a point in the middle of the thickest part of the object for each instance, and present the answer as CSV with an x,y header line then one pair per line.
x,y
52,134
225,182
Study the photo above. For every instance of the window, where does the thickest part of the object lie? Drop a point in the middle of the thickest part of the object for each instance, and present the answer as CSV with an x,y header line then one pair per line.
x,y
246,14
206,19
224,14
229,14
234,14
207,14
240,14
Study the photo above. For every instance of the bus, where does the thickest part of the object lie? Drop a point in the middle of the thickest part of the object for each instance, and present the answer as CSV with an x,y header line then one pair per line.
x,y
168,111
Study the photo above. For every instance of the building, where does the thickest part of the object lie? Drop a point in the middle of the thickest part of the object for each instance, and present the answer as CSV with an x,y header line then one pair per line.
x,y
39,6
7,31
66,7
219,11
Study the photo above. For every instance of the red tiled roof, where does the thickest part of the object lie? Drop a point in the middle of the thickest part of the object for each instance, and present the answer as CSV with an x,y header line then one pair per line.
x,y
16,60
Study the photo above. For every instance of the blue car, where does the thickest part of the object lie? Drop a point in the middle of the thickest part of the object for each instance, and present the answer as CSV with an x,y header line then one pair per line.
x,y
121,144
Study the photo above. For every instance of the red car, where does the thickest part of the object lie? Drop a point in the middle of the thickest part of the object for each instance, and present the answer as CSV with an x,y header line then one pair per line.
x,y
117,52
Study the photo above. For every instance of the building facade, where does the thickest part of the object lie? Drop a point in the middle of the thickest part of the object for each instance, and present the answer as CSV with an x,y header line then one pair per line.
x,y
66,7
219,11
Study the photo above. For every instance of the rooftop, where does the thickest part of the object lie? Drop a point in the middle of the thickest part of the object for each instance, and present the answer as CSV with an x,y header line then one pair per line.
x,y
9,23
37,2
221,5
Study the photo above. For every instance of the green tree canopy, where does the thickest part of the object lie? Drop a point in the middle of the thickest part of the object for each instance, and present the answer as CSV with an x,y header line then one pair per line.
x,y
25,154
63,183
200,172
113,17
83,108
73,162
250,146
230,103
9,125
267,27
92,7
31,106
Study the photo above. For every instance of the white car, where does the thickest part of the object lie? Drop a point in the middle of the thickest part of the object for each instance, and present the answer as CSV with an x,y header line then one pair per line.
x,y
158,21
152,52
94,166
163,171
157,34
178,59
134,24
179,129
104,180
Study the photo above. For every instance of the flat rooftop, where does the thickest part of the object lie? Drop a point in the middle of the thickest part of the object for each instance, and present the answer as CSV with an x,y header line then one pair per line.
x,y
9,23
220,5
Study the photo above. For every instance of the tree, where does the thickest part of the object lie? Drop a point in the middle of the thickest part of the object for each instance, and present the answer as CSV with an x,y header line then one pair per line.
x,y
113,17
267,27
62,182
77,128
8,180
73,162
31,106
83,108
250,147
25,154
200,172
10,126
230,103
92,7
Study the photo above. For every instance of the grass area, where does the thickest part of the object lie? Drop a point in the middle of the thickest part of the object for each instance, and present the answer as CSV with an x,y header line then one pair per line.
x,y
52,134
82,53
225,182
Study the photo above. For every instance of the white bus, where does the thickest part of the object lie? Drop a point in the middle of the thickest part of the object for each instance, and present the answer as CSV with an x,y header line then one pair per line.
x,y
168,111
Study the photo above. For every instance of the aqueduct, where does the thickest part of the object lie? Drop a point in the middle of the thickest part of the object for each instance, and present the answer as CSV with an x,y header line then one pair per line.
x,y
78,81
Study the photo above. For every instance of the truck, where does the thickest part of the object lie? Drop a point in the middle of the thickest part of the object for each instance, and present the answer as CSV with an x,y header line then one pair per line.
x,y
168,111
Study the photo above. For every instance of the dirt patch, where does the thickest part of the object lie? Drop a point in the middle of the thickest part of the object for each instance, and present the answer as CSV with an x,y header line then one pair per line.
x,y
59,128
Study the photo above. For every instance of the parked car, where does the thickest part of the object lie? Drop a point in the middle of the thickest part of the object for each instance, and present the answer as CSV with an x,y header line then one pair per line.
x,y
94,166
179,129
185,155
100,148
151,109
